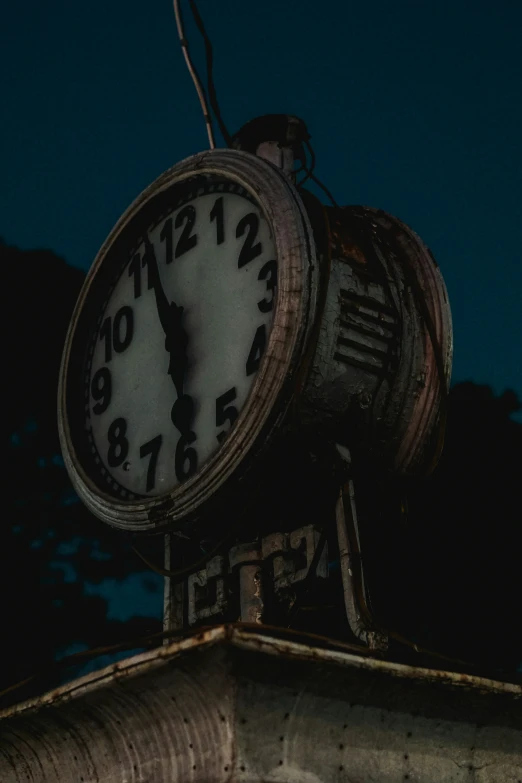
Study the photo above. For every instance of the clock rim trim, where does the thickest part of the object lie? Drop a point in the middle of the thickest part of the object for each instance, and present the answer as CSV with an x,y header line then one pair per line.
x,y
293,317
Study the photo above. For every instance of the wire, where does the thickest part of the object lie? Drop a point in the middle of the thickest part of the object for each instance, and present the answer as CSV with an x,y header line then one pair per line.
x,y
309,170
145,641
325,189
424,651
310,174
181,572
194,74
210,78
85,655
212,91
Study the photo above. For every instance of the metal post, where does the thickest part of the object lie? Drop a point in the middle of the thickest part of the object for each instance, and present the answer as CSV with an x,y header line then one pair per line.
x,y
356,610
173,593
282,157
247,559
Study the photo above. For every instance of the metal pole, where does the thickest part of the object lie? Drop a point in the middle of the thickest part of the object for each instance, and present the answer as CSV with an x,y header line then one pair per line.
x,y
356,610
173,595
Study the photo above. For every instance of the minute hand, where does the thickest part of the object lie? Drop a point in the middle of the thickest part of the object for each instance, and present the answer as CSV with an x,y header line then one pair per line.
x,y
170,315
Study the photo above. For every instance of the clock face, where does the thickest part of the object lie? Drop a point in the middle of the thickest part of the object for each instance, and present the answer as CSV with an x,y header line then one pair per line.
x,y
180,331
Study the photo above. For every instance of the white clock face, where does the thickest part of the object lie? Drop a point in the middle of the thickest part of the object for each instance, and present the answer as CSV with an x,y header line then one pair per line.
x,y
179,340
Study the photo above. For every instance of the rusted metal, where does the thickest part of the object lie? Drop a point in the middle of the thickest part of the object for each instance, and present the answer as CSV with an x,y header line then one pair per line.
x,y
207,591
382,366
357,605
282,157
277,138
237,703
359,624
173,591
246,558
290,556
282,559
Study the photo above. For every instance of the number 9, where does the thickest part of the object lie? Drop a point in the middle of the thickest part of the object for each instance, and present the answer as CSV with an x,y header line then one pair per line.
x,y
101,389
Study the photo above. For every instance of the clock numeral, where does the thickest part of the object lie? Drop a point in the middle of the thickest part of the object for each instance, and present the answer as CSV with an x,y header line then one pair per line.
x,y
117,335
217,214
151,448
186,241
186,460
166,236
101,389
225,412
256,351
118,443
249,251
125,316
135,271
106,334
269,273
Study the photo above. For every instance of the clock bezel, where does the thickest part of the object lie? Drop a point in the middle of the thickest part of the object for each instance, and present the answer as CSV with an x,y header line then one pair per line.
x,y
272,388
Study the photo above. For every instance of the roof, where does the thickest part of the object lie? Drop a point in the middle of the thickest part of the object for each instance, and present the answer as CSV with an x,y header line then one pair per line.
x,y
243,703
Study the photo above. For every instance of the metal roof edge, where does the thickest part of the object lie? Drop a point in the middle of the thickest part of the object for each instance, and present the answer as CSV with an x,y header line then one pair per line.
x,y
265,640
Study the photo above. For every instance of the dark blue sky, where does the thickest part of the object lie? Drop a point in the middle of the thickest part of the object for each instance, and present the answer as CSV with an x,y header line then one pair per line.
x,y
414,107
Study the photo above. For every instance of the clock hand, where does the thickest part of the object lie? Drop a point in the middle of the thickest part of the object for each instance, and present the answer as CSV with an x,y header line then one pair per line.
x,y
176,341
162,303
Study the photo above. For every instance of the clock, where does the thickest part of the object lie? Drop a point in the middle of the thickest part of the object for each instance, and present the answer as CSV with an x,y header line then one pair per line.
x,y
184,346
211,311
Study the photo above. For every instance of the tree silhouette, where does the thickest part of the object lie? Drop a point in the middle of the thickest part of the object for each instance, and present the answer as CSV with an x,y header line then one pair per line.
x,y
467,520
52,548
451,564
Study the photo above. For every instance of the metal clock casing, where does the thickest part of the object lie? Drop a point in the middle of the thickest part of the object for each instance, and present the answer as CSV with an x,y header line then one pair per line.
x,y
82,394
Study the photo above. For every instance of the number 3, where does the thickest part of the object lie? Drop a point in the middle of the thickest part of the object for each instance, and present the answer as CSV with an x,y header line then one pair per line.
x,y
269,273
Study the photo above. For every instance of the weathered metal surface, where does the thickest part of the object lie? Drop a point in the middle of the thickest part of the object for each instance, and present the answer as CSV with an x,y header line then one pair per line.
x,y
358,620
246,559
275,137
207,591
241,704
383,360
291,556
173,591
231,587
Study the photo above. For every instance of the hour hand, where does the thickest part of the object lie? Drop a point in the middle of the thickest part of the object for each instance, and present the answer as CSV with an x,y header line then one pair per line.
x,y
176,342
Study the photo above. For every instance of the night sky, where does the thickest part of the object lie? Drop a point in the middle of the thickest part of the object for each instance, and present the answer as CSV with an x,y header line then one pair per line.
x,y
413,107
